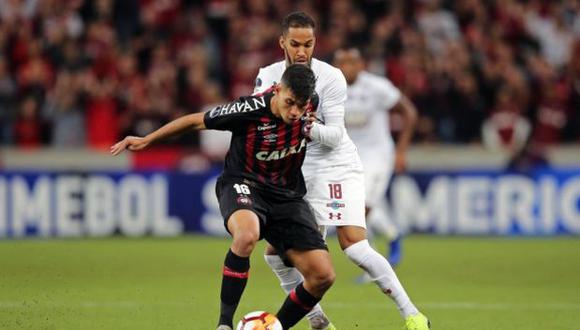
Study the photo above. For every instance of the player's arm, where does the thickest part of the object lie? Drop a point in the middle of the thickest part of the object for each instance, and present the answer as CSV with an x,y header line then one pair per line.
x,y
263,82
407,109
331,133
134,143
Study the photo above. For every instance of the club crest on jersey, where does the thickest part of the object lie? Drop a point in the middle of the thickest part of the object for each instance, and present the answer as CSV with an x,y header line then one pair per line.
x,y
279,154
244,200
250,104
335,205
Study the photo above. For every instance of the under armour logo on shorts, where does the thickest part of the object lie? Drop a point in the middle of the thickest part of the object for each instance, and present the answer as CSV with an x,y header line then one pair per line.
x,y
332,216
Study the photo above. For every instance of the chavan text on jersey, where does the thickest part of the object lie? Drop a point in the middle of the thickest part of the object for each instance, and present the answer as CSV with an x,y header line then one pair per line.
x,y
263,148
240,106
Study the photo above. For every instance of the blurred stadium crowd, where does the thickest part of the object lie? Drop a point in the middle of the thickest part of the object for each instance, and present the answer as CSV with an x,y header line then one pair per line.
x,y
82,73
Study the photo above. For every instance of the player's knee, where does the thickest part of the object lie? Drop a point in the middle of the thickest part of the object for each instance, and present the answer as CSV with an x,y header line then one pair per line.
x,y
324,279
246,241
349,235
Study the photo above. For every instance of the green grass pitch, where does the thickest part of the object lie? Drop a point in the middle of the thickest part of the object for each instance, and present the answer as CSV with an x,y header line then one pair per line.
x,y
121,283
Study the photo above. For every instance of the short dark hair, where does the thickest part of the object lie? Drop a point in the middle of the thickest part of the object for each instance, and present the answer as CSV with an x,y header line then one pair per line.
x,y
301,81
297,19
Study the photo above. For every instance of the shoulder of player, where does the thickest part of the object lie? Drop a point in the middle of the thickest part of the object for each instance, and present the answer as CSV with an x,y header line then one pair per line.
x,y
327,74
374,81
273,69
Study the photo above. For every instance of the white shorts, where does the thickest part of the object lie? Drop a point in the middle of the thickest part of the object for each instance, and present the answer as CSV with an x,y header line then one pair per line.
x,y
337,196
377,177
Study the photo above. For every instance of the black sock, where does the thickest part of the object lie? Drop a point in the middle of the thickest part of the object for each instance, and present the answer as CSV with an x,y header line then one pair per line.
x,y
235,277
298,303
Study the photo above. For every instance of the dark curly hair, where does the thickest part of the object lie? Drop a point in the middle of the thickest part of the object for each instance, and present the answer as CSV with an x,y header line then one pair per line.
x,y
297,19
301,81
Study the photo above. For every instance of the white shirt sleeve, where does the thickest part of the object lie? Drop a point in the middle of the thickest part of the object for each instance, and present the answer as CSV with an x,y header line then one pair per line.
x,y
388,94
259,85
331,108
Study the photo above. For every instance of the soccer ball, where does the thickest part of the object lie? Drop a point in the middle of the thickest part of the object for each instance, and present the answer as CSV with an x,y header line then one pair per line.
x,y
259,321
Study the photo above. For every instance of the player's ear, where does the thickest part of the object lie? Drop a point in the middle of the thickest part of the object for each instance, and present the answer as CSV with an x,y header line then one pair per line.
x,y
281,42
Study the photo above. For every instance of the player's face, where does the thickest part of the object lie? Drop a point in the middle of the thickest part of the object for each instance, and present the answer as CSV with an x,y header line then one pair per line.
x,y
286,107
298,45
350,63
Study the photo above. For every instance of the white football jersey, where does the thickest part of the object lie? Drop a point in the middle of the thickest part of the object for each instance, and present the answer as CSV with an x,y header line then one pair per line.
x,y
331,89
369,99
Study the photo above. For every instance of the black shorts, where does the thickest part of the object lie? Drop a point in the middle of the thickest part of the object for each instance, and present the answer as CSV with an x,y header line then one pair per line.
x,y
286,223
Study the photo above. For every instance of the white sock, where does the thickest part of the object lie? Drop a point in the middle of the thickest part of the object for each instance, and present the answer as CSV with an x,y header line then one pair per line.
x,y
289,278
364,256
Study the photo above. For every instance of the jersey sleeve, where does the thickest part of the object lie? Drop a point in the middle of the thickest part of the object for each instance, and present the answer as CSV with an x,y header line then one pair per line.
x,y
333,98
388,95
264,81
234,115
332,110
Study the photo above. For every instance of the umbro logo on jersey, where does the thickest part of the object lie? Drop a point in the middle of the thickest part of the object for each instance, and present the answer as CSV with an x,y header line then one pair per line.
x,y
248,105
271,137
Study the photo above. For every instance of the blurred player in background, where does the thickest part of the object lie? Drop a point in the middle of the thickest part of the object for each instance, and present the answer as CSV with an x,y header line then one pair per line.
x,y
261,190
370,99
333,173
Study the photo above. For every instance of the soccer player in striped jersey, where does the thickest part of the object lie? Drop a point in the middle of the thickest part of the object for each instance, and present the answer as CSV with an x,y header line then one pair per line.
x,y
261,189
333,173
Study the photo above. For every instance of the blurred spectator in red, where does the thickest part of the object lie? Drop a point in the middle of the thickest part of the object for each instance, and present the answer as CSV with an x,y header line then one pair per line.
x,y
552,113
102,117
35,75
28,127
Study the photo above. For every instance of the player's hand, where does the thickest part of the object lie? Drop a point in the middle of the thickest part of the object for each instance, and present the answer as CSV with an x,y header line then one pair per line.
x,y
133,143
400,162
309,119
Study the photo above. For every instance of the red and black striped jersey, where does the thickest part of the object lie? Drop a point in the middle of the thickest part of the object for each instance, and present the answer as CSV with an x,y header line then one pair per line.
x,y
264,149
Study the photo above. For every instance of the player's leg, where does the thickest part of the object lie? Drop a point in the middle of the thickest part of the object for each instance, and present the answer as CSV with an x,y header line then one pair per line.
x,y
244,226
319,276
293,233
243,216
352,240
289,278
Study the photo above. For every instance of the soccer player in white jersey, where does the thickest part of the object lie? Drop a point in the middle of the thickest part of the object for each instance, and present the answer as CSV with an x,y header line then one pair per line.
x,y
370,98
333,173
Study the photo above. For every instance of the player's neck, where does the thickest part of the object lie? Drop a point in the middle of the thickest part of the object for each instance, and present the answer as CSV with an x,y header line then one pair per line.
x,y
273,107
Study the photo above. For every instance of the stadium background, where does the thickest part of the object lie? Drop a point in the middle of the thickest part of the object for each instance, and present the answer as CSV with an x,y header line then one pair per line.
x,y
495,156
